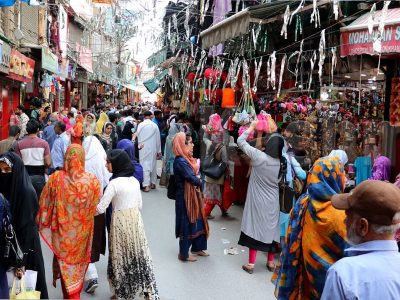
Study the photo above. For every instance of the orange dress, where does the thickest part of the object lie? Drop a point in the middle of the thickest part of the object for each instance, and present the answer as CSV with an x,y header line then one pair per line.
x,y
66,218
76,137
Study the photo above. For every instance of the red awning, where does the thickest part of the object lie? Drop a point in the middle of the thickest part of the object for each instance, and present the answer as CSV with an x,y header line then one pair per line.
x,y
355,38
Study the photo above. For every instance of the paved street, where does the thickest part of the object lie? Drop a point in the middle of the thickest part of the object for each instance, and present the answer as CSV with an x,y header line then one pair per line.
x,y
216,277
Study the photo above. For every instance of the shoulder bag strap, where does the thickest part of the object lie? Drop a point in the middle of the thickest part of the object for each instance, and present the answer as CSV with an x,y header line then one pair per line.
x,y
291,165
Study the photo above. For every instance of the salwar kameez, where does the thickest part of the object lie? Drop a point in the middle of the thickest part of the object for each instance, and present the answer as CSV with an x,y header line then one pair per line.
x,y
191,235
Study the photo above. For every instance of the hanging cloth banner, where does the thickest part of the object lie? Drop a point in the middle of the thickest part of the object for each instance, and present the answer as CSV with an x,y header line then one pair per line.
x,y
281,74
334,62
298,60
322,44
301,5
273,68
312,61
286,18
336,9
315,15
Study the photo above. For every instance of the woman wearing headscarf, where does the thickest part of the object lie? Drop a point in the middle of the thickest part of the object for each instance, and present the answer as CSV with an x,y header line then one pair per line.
x,y
66,220
381,169
106,139
68,128
341,154
77,135
130,267
89,125
316,236
191,225
100,123
260,223
214,141
16,186
95,163
129,147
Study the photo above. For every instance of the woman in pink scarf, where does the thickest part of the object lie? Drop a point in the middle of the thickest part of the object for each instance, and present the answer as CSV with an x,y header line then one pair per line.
x,y
68,128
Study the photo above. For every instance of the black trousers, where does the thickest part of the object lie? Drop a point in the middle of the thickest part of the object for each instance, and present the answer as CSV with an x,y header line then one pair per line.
x,y
38,182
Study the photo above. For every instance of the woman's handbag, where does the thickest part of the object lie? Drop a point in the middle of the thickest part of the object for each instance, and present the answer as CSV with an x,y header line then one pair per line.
x,y
164,179
298,184
171,190
12,252
213,167
286,195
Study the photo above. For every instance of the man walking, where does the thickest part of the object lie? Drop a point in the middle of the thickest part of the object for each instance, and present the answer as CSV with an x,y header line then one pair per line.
x,y
35,154
49,135
372,266
60,145
149,139
13,135
23,119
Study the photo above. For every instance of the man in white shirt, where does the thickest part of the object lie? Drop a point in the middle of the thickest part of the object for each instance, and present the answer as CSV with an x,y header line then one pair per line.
x,y
149,139
371,269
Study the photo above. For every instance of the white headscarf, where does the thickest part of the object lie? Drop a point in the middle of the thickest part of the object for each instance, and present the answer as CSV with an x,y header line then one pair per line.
x,y
341,154
95,160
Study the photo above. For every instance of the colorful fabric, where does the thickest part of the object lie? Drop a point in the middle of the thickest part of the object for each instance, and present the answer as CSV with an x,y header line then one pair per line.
x,y
67,208
363,165
76,137
316,235
381,169
100,123
214,125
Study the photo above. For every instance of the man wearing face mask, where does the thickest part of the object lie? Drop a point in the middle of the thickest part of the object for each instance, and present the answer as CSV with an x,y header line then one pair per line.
x,y
372,266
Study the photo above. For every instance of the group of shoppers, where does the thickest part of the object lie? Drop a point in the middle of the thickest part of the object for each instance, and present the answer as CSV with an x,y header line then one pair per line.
x,y
60,185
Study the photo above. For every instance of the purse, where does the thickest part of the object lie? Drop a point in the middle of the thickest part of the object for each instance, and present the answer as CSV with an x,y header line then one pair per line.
x,y
163,179
298,184
171,189
213,167
286,195
12,252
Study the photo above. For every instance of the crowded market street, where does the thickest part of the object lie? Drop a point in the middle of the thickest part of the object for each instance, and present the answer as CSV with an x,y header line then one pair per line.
x,y
218,276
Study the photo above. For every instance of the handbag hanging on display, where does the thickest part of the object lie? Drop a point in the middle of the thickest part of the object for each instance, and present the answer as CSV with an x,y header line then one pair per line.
x,y
213,167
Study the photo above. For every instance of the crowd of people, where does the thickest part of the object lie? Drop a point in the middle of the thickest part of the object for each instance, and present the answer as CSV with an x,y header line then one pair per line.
x,y
70,175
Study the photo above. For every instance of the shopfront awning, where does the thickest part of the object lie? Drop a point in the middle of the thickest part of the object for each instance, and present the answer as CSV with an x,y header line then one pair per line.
x,y
356,40
238,24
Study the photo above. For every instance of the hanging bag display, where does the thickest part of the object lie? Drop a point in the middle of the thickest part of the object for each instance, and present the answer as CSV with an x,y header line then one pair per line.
x,y
245,111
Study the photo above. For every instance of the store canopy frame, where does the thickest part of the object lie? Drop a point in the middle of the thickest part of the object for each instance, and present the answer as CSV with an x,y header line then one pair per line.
x,y
238,24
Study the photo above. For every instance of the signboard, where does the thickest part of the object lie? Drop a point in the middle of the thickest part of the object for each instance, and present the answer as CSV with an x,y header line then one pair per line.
x,y
356,42
49,60
21,67
5,58
85,57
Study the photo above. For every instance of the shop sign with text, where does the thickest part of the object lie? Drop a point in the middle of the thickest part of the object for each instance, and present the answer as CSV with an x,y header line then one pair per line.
x,y
357,42
21,67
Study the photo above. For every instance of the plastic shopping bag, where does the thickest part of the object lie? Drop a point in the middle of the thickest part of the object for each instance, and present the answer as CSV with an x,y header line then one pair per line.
x,y
23,293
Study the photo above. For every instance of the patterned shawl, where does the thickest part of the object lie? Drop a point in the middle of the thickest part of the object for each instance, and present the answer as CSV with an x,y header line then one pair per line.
x,y
66,216
316,235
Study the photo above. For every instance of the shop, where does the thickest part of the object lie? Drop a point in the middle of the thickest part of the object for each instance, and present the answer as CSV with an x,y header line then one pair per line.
x,y
17,71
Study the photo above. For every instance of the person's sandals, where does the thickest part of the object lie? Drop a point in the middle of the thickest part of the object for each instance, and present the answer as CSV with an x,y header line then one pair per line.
x,y
153,186
146,189
248,268
210,217
270,267
201,253
190,258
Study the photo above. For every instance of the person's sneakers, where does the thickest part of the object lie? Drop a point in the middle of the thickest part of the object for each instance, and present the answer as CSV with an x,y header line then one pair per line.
x,y
92,286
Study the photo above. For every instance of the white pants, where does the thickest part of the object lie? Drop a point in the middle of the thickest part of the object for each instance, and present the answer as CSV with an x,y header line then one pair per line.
x,y
150,177
91,272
